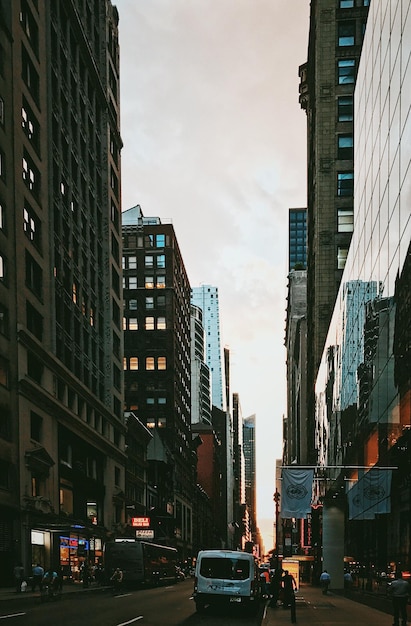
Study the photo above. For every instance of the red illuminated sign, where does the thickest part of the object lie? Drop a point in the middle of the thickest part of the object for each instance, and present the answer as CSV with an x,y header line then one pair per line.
x,y
140,522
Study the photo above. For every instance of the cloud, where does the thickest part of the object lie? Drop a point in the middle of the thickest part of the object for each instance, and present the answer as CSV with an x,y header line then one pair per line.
x,y
214,139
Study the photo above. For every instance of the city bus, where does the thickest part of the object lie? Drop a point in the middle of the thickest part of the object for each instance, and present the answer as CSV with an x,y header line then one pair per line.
x,y
141,562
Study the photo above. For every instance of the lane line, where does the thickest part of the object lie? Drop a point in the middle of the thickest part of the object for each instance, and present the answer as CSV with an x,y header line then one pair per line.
x,y
11,615
135,619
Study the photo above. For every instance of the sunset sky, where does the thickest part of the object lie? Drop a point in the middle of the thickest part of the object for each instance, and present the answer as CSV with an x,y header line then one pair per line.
x,y
215,140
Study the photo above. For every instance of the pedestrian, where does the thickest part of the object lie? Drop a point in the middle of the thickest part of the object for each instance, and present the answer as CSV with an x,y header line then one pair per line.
x,y
117,580
289,586
18,573
348,581
325,580
265,582
37,577
399,591
275,587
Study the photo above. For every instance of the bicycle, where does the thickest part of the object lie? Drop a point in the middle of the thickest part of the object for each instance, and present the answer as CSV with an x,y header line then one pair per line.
x,y
50,592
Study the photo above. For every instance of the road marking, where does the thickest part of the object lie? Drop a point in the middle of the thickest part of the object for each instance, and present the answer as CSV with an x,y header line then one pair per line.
x,y
131,621
123,595
11,615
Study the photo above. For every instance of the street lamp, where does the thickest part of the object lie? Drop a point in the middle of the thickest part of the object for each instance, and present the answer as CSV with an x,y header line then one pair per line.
x,y
276,499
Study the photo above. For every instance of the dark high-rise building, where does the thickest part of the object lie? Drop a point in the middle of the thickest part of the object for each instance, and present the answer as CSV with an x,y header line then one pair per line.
x,y
249,451
297,239
157,368
326,94
61,405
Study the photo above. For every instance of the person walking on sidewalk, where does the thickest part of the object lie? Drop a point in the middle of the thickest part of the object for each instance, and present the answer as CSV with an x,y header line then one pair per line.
x,y
289,586
399,590
18,574
325,580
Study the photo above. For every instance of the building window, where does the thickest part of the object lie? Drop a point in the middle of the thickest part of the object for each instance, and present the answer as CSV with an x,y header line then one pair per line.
x,y
150,302
345,146
132,304
161,301
2,217
1,111
345,184
131,282
149,261
34,275
161,261
149,323
161,323
150,401
31,175
36,425
117,476
345,108
346,4
31,225
149,282
34,321
346,71
30,125
2,268
4,321
132,323
341,257
30,76
161,363
160,241
346,34
4,372
133,363
345,220
2,167
150,363
160,282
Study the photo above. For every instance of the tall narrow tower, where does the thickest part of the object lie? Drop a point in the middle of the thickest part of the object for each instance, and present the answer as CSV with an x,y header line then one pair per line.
x,y
206,298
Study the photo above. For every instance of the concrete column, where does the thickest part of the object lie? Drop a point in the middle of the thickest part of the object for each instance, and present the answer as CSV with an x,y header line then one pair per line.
x,y
333,545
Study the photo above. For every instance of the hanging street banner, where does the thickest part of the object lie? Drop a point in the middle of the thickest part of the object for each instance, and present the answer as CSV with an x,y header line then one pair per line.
x,y
370,495
296,492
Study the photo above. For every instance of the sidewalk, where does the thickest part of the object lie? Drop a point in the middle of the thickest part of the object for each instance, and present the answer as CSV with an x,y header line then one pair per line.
x,y
68,588
314,608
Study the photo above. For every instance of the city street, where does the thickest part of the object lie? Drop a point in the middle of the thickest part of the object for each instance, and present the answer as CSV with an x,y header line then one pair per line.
x,y
173,606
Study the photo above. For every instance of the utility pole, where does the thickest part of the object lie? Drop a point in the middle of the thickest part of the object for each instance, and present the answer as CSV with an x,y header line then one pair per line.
x,y
276,499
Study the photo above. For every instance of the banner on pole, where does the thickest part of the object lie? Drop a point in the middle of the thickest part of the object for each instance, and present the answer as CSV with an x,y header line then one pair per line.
x,y
370,495
296,491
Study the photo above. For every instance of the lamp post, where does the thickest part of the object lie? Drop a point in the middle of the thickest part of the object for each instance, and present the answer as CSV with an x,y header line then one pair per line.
x,y
276,499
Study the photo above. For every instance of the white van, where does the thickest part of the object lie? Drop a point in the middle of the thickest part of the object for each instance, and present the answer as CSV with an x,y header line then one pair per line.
x,y
226,577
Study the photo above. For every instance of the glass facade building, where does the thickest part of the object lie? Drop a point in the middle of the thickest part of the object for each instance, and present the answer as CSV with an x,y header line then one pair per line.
x,y
363,412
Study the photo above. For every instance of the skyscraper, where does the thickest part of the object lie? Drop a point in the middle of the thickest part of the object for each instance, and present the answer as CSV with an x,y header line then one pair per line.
x,y
61,405
326,94
157,362
206,298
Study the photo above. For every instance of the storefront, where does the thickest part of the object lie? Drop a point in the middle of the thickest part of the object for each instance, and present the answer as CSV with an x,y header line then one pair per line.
x,y
76,549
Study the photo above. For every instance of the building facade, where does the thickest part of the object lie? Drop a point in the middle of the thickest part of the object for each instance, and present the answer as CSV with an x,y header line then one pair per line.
x,y
363,388
61,405
326,94
200,373
157,374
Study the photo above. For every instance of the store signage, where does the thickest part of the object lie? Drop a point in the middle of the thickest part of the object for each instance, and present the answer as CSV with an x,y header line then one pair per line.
x,y
140,522
145,534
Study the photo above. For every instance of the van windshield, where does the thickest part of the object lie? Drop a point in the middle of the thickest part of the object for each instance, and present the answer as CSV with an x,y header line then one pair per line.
x,y
227,568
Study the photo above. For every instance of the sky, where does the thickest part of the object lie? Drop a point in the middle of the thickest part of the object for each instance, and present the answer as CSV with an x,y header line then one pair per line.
x,y
215,141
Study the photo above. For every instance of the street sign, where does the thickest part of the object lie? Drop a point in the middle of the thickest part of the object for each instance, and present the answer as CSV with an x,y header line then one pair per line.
x,y
145,534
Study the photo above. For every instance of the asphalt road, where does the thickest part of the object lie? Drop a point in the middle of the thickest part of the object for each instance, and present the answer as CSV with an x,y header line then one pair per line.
x,y
162,606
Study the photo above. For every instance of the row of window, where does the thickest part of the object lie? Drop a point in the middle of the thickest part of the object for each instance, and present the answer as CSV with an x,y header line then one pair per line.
x,y
152,363
150,282
151,303
147,241
130,261
150,323
350,4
